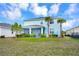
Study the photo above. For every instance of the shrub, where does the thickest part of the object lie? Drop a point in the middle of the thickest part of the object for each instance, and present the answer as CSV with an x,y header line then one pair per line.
x,y
43,35
18,35
23,35
26,35
32,35
2,36
53,35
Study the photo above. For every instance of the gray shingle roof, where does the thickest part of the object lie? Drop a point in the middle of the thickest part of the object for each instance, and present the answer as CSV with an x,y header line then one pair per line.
x,y
72,28
5,25
34,19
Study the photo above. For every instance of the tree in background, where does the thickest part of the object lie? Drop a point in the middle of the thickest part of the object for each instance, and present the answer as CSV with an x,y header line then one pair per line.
x,y
16,28
20,28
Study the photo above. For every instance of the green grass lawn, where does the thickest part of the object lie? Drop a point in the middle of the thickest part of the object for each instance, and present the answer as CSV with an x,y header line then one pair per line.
x,y
39,46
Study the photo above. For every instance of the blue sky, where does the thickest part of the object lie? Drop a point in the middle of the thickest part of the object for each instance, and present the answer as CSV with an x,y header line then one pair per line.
x,y
12,12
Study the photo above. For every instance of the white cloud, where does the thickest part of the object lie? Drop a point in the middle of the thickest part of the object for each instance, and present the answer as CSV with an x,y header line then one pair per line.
x,y
69,13
13,10
34,8
71,10
38,10
24,6
13,13
16,13
54,9
70,23
44,11
34,5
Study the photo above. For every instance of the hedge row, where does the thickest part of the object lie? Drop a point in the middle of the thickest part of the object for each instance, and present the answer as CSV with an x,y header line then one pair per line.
x,y
25,35
33,35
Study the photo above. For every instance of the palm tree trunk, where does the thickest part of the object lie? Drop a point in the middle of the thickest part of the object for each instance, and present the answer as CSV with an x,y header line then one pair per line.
x,y
48,29
60,29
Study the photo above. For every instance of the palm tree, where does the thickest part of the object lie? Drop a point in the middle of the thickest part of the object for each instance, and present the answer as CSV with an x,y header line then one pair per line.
x,y
60,21
48,19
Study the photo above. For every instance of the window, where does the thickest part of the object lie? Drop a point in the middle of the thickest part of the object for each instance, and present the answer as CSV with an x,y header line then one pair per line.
x,y
51,22
41,22
51,29
51,32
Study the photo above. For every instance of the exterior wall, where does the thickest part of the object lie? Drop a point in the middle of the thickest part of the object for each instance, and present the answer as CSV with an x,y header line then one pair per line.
x,y
26,30
39,24
36,31
74,31
35,22
54,27
6,32
0,31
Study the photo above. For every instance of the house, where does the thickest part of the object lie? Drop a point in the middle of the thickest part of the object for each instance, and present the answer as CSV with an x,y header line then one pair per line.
x,y
73,31
39,26
35,26
5,30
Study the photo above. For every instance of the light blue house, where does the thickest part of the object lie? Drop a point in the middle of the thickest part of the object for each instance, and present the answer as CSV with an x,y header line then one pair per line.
x,y
39,26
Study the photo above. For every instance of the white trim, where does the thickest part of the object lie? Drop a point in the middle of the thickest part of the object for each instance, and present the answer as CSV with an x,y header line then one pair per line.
x,y
41,30
30,30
